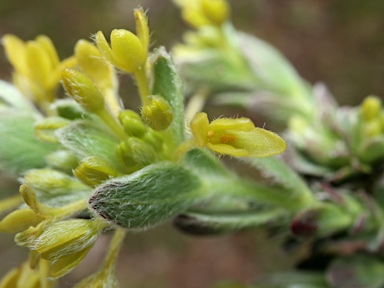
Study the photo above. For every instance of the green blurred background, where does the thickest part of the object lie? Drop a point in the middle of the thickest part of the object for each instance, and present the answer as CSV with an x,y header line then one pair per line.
x,y
338,42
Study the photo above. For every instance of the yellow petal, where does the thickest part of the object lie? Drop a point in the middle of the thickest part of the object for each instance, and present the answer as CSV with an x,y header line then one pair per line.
x,y
47,46
200,126
15,50
104,47
93,64
260,142
240,124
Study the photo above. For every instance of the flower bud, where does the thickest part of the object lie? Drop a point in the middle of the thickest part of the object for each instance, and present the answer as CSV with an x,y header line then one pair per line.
x,y
65,238
45,128
93,171
370,108
19,220
83,90
132,123
136,153
50,181
157,113
126,51
216,11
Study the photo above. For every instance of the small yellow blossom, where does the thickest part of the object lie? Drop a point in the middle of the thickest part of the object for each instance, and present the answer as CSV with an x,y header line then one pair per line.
x,y
236,137
37,66
101,72
127,51
204,12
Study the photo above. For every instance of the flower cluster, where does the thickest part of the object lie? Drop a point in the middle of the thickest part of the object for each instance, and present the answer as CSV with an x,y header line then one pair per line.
x,y
88,165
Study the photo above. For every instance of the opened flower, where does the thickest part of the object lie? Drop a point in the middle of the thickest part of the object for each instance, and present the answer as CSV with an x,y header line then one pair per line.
x,y
237,137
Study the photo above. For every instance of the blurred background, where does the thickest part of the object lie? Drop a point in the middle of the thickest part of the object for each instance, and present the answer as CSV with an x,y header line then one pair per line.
x,y
338,42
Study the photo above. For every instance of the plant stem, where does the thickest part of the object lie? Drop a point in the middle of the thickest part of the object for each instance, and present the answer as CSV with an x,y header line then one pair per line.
x,y
142,84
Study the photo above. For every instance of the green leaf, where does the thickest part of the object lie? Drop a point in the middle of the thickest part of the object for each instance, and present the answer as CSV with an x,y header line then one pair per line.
x,y
85,139
11,96
167,84
19,149
146,197
207,224
269,64
226,192
279,172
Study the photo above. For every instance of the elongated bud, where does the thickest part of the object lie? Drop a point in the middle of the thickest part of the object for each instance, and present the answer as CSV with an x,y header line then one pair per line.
x,y
19,220
157,113
29,197
132,123
45,128
50,181
83,90
93,171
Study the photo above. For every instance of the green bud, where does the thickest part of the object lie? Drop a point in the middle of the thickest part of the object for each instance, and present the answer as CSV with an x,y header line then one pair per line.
x,y
50,181
147,197
135,151
154,139
83,90
68,109
132,123
45,128
93,171
370,108
157,113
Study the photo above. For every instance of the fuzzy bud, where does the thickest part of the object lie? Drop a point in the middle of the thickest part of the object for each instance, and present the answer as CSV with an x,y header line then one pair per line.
x,y
83,90
157,113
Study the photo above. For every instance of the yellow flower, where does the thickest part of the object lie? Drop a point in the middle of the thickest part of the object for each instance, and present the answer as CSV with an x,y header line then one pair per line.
x,y
236,137
128,51
200,13
37,66
101,72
